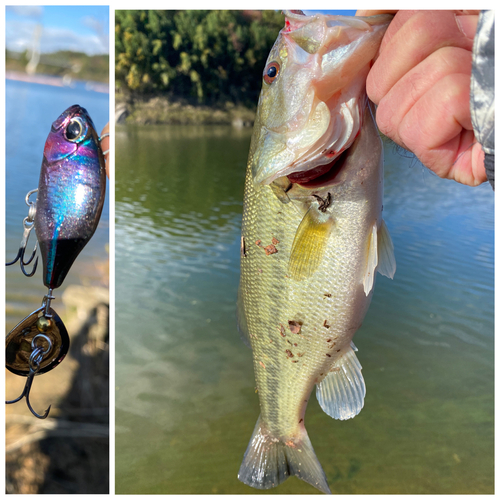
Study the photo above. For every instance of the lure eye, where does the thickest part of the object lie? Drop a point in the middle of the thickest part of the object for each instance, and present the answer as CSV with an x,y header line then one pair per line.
x,y
75,130
271,72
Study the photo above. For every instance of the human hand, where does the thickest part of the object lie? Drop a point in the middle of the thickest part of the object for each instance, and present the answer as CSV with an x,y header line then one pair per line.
x,y
421,83
105,146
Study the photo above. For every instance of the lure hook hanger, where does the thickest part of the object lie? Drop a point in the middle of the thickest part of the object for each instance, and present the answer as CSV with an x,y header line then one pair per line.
x,y
34,364
28,224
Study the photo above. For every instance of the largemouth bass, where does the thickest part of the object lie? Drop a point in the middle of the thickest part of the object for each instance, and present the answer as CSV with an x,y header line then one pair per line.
x,y
312,236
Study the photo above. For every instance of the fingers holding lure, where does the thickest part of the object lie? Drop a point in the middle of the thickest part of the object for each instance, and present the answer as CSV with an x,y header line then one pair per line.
x,y
65,215
105,146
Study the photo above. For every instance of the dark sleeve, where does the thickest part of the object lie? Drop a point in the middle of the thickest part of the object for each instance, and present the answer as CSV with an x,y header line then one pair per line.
x,y
482,90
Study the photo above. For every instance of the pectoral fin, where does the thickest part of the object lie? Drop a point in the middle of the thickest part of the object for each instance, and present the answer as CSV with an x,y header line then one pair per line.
x,y
386,260
341,394
372,260
380,256
309,244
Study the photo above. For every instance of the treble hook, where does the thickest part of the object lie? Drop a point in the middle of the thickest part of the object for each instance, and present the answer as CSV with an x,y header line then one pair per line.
x,y
34,363
28,224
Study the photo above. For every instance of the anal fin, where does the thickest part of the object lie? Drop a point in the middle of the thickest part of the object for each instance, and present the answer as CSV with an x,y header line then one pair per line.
x,y
341,393
309,244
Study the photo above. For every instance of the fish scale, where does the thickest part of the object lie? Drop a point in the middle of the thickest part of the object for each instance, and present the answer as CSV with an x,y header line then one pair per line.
x,y
279,299
271,299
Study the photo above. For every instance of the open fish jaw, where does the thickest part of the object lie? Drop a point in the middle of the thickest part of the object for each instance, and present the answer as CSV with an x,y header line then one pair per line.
x,y
312,111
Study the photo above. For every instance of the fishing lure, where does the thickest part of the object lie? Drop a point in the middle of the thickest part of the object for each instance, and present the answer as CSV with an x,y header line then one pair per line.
x,y
65,215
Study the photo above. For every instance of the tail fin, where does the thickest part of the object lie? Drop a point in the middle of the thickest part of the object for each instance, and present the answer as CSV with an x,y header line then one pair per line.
x,y
269,461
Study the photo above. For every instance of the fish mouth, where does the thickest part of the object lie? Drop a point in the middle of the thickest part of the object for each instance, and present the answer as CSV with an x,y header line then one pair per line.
x,y
323,175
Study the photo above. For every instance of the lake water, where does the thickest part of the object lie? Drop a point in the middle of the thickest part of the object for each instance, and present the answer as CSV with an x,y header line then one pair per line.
x,y
30,111
185,399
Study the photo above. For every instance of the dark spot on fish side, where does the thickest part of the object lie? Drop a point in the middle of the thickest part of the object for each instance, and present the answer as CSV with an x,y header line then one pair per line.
x,y
289,353
282,330
338,350
258,243
301,420
295,361
329,340
326,325
327,294
270,250
329,355
294,326
274,241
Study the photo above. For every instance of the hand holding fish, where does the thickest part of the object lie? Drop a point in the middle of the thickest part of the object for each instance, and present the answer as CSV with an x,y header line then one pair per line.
x,y
421,84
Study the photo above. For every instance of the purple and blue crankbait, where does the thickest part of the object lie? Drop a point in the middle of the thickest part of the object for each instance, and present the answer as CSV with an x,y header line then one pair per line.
x,y
65,215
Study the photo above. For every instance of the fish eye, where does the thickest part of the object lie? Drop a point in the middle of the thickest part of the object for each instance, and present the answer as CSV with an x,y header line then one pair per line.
x,y
271,72
75,129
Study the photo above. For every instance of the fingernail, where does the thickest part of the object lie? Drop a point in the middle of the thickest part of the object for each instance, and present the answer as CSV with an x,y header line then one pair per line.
x,y
467,25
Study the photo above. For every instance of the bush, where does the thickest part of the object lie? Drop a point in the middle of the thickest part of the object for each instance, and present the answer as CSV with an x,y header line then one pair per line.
x,y
209,56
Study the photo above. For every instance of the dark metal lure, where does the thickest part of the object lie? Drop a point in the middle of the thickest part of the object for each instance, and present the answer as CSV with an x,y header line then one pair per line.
x,y
65,216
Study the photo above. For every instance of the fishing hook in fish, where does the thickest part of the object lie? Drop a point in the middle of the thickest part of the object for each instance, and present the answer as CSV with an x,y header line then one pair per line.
x,y
324,203
28,224
36,358
104,153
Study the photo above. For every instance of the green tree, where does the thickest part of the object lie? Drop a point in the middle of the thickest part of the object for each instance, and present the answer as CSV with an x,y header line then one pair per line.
x,y
212,56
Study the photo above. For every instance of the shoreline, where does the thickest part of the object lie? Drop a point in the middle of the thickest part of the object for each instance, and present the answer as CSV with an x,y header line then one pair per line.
x,y
165,111
55,81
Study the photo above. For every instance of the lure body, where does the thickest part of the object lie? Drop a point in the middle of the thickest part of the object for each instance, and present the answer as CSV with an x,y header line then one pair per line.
x,y
70,193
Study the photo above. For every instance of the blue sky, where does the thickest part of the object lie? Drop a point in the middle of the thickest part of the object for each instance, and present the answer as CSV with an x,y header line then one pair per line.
x,y
78,28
